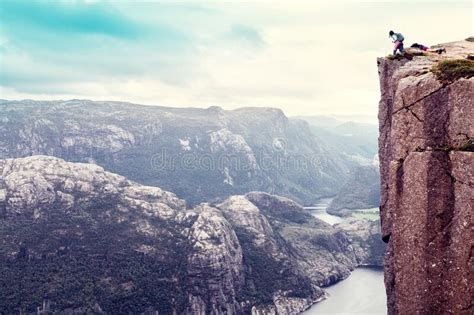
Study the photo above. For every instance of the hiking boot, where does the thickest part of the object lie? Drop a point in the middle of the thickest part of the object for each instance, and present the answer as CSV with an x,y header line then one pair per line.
x,y
441,50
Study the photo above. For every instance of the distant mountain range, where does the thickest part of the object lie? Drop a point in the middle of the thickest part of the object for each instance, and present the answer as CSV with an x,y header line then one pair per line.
x,y
199,154
356,141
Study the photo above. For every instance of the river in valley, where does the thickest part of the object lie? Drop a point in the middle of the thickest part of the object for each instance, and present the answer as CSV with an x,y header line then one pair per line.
x,y
319,211
363,292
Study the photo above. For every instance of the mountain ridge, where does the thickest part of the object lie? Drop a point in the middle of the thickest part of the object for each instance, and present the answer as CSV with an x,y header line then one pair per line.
x,y
245,149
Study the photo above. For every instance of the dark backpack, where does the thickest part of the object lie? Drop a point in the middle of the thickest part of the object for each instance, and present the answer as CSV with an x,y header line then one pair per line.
x,y
400,37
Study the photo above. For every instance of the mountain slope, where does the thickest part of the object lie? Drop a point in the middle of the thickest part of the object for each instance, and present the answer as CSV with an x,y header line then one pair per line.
x,y
361,191
199,154
91,241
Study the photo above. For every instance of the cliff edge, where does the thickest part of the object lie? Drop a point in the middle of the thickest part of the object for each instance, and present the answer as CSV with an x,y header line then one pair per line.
x,y
427,180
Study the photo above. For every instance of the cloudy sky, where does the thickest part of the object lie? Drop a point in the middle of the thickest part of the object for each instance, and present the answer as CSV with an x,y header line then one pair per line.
x,y
306,57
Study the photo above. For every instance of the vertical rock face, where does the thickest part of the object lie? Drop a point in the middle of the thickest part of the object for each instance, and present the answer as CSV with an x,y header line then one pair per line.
x,y
427,184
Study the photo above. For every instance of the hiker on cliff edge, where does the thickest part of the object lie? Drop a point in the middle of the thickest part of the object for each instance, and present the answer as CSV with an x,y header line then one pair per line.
x,y
397,39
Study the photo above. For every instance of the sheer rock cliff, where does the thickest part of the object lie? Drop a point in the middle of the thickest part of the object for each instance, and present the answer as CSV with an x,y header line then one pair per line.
x,y
427,182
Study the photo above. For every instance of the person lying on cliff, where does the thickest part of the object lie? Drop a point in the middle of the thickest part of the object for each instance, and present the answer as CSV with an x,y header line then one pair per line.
x,y
424,48
397,39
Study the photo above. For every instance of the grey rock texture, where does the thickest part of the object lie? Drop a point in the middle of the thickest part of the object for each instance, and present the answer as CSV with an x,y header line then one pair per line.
x,y
199,154
366,240
427,171
95,242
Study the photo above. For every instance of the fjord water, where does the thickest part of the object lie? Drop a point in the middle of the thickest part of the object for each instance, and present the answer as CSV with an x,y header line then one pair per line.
x,y
319,211
363,292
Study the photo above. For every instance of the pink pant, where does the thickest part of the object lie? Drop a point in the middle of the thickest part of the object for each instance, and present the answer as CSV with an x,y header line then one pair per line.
x,y
398,45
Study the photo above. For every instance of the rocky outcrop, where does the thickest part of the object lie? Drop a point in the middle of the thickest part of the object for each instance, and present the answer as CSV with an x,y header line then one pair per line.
x,y
427,171
361,191
199,154
365,238
95,242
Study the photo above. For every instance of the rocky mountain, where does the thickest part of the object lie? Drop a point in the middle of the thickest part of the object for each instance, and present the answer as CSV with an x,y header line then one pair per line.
x,y
91,241
427,179
199,154
361,191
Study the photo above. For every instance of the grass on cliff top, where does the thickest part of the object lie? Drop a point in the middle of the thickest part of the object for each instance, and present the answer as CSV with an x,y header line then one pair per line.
x,y
409,54
451,70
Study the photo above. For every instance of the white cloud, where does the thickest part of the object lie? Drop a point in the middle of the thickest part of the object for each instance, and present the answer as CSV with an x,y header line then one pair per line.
x,y
315,58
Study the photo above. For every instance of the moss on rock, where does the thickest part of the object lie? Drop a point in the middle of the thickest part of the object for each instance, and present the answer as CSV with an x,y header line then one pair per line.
x,y
450,70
